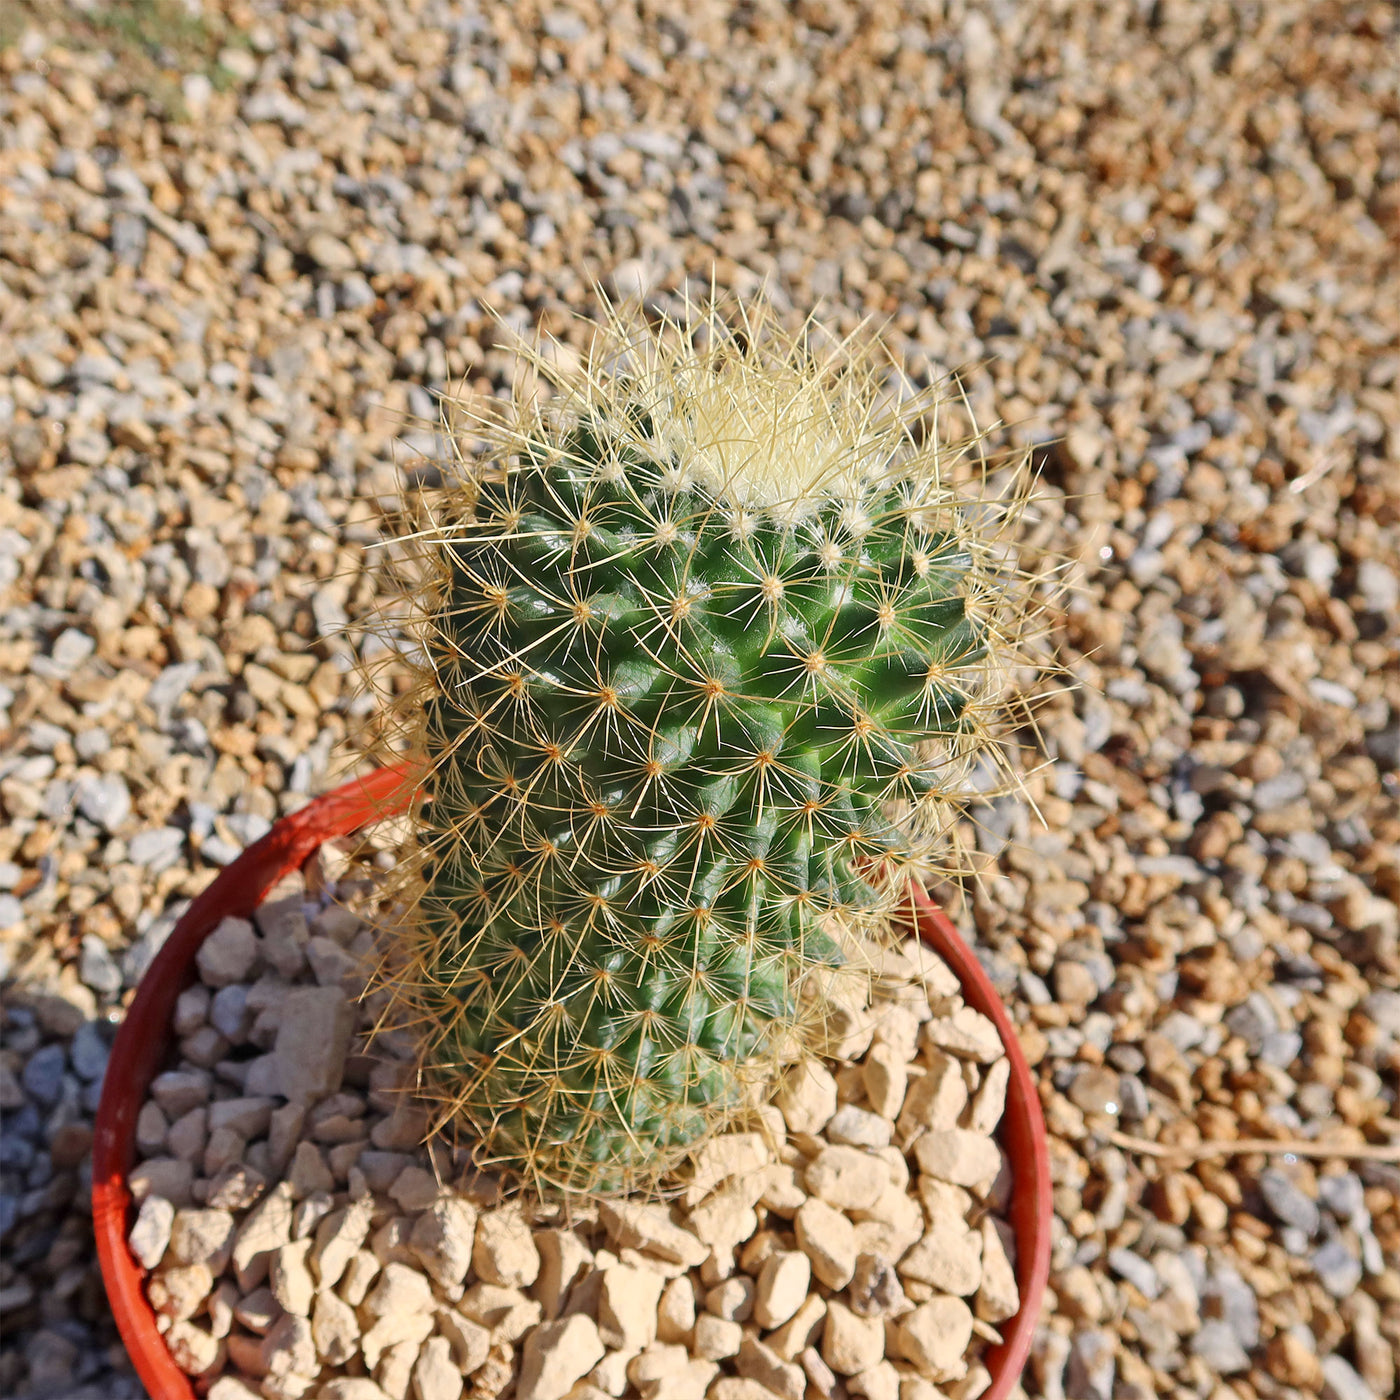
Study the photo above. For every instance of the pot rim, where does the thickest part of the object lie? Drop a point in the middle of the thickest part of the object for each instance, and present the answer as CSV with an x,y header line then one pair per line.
x,y
239,889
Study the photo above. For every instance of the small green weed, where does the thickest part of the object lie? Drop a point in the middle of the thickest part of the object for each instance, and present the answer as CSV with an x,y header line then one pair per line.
x,y
156,43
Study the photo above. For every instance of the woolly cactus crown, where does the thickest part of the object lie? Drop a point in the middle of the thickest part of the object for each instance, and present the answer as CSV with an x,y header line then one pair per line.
x,y
706,643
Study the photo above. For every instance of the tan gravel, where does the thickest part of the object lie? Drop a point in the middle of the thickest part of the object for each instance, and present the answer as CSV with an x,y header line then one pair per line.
x,y
1159,242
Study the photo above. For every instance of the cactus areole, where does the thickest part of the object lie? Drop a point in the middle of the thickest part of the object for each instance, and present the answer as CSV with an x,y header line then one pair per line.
x,y
703,641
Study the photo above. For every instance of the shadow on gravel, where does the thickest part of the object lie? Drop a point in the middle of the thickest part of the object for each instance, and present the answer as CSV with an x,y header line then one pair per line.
x,y
57,1337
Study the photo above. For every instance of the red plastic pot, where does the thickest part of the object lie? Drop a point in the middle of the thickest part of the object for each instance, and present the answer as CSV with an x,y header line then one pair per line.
x,y
1022,1135
145,1035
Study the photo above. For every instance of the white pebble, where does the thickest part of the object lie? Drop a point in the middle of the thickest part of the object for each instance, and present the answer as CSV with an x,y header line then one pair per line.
x,y
858,1127
203,1237
998,1298
435,1376
292,1284
503,1251
959,1156
192,1348
783,1282
627,1307
935,1337
229,954
845,1177
556,1355
807,1097
442,1240
829,1241
966,1032
150,1233
851,1344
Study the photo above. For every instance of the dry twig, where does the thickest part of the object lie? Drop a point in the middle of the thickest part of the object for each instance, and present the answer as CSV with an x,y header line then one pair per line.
x,y
1241,1147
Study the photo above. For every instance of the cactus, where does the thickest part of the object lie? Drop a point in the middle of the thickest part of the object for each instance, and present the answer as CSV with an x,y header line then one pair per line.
x,y
703,642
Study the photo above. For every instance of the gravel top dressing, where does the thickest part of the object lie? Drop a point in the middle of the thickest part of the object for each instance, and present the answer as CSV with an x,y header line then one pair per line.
x,y
303,1240
1158,244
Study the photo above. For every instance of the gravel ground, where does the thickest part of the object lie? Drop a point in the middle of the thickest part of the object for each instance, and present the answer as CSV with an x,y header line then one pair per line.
x,y
1160,242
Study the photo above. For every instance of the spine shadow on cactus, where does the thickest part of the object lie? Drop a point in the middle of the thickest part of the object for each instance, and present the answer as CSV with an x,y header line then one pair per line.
x,y
703,655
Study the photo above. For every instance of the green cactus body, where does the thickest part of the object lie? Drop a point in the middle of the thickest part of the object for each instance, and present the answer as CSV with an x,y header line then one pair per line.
x,y
678,687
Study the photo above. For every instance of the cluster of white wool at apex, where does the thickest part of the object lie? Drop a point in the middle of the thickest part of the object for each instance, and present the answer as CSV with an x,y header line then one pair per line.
x,y
768,434
763,421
